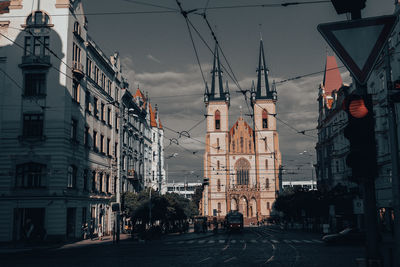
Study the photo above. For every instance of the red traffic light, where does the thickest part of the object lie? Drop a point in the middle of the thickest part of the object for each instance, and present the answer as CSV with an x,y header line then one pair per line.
x,y
357,108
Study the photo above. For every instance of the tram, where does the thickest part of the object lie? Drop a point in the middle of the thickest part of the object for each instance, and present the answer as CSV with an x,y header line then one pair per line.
x,y
234,221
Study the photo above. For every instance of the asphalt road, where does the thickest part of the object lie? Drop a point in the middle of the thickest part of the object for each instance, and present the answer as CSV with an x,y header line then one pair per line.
x,y
263,246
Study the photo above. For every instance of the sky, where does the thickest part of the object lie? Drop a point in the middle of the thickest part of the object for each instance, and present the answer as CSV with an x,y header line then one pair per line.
x,y
158,57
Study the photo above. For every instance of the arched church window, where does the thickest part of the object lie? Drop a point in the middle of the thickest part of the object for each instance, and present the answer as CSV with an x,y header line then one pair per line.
x,y
264,119
249,146
38,19
233,146
241,144
219,185
217,120
267,183
242,168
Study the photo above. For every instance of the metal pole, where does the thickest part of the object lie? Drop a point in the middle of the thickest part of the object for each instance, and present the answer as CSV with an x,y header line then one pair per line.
x,y
394,144
150,207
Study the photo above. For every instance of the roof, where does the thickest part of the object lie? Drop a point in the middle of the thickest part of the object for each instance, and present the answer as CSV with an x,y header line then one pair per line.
x,y
4,7
153,122
245,124
332,78
159,124
140,95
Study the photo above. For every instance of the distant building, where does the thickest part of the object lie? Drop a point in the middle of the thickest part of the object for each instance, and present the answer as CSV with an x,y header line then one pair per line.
x,y
183,188
297,184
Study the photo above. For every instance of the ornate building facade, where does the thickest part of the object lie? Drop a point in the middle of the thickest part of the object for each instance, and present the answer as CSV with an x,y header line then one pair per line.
x,y
242,162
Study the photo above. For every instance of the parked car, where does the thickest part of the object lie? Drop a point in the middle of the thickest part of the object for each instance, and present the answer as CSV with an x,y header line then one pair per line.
x,y
347,236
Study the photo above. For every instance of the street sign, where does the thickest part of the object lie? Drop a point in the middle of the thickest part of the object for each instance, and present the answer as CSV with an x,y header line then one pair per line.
x,y
358,43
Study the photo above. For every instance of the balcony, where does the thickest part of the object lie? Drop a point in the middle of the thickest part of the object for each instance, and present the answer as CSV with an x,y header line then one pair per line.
x,y
32,61
77,70
132,174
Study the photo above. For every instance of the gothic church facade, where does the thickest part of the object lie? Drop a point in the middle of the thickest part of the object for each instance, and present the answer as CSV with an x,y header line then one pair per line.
x,y
241,162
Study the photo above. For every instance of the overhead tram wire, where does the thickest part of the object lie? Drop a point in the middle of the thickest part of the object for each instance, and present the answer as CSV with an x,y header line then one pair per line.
x,y
150,4
285,4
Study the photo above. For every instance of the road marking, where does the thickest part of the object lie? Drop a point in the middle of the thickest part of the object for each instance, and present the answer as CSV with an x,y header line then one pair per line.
x,y
264,241
273,254
233,241
253,241
245,246
226,247
201,241
241,241
307,241
230,259
317,241
206,259
190,242
274,241
296,241
211,242
270,259
287,241
221,241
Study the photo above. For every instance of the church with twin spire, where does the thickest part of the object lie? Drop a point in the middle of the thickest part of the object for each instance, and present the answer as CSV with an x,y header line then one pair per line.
x,y
242,161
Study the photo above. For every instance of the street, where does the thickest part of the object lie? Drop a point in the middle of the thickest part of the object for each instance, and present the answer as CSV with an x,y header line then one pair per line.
x,y
256,246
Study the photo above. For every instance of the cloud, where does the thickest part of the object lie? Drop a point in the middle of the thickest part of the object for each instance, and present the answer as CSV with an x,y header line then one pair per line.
x,y
179,96
153,58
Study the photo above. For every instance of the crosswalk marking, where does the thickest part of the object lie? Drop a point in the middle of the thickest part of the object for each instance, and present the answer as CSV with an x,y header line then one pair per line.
x,y
287,241
274,241
317,241
221,241
264,241
211,242
307,241
253,241
242,241
233,241
296,241
190,242
201,241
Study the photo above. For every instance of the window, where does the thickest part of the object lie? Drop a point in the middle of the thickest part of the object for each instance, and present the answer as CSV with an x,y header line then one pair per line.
x,y
30,175
218,144
108,146
87,101
241,144
74,129
96,74
219,185
28,46
89,67
242,168
268,206
95,141
33,125
103,81
264,119
109,116
219,207
38,46
217,120
107,183
267,183
115,150
266,164
102,143
218,165
86,137
85,179
249,146
35,84
233,146
154,155
77,28
76,91
100,184
76,53
71,176
38,19
102,113
116,92
96,108
109,84
94,181
123,162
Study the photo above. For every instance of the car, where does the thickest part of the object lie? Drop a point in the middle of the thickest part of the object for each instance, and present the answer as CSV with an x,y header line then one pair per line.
x,y
347,236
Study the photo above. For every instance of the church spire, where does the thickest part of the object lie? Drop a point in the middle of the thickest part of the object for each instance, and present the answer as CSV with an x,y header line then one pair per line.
x,y
262,76
216,74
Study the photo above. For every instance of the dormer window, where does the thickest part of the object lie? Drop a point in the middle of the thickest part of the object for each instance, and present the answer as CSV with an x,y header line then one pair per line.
x,y
38,19
77,28
217,120
264,119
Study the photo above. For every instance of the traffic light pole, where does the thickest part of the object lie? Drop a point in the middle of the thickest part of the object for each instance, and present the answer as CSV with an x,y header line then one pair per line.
x,y
394,145
370,212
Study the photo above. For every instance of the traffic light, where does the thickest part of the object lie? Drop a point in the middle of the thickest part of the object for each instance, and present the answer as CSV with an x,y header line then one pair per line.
x,y
348,6
360,131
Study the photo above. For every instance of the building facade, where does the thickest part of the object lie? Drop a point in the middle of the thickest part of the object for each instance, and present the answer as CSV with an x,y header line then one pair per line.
x,y
72,136
241,163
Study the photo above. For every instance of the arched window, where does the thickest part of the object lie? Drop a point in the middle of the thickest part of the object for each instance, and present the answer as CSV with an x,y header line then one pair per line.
x,y
217,120
264,119
219,185
266,164
267,183
241,144
38,19
218,165
242,168
77,28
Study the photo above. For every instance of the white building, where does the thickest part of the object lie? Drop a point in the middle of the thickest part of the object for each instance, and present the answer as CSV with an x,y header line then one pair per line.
x,y
62,119
183,188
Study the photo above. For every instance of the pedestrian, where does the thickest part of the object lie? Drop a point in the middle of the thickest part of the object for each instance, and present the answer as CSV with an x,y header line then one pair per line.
x,y
100,232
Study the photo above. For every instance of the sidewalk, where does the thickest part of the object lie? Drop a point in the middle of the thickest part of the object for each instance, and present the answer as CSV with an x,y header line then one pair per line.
x,y
58,246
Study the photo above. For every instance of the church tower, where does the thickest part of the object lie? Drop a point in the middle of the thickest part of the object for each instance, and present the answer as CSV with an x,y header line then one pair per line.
x,y
268,157
217,103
